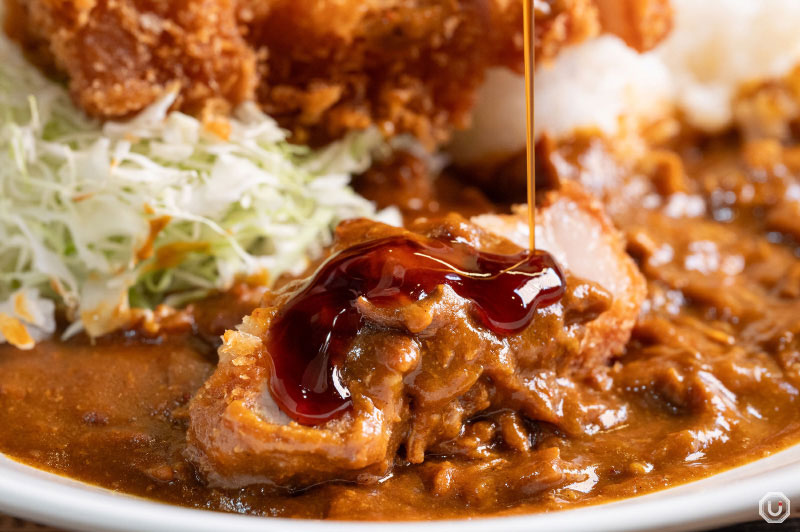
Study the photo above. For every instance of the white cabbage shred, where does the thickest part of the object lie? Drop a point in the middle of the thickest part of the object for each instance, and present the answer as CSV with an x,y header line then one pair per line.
x,y
81,204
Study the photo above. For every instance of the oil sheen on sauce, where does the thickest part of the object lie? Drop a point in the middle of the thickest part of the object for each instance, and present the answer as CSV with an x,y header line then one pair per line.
x,y
310,338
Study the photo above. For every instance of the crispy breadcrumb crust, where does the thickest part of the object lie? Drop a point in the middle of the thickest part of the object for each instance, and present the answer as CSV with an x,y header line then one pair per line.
x,y
404,65
121,55
321,67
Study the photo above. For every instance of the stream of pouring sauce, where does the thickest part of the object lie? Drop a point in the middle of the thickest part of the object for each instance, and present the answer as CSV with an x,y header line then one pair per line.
x,y
530,68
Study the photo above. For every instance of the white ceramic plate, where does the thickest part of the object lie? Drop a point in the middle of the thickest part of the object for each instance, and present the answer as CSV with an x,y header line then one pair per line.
x,y
726,498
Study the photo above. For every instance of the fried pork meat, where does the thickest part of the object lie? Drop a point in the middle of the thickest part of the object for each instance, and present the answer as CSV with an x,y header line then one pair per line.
x,y
417,376
122,55
321,67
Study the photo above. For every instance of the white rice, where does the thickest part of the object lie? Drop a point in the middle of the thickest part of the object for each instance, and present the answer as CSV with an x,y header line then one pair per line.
x,y
719,44
597,84
715,46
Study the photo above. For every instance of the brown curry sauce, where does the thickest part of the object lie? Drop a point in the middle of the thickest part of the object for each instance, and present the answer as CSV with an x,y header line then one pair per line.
x,y
709,380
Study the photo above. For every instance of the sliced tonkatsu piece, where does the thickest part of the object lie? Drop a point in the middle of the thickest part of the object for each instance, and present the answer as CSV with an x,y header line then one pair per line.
x,y
411,361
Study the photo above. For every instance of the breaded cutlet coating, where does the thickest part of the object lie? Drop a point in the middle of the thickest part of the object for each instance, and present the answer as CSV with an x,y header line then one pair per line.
x,y
417,371
121,55
404,65
321,67
642,24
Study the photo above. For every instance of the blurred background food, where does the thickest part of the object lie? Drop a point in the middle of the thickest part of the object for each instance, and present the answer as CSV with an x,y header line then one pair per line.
x,y
629,67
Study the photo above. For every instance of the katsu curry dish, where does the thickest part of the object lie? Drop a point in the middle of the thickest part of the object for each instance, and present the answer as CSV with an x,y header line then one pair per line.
x,y
286,258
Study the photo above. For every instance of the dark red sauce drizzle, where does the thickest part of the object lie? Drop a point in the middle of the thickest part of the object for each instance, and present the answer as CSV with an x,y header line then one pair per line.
x,y
311,336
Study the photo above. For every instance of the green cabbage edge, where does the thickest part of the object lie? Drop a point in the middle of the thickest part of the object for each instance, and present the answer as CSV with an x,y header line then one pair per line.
x,y
77,196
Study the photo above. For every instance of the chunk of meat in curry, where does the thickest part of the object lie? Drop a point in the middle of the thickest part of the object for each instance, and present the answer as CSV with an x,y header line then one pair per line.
x,y
418,374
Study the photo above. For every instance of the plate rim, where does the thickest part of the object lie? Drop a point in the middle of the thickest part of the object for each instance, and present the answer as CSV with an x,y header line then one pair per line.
x,y
51,499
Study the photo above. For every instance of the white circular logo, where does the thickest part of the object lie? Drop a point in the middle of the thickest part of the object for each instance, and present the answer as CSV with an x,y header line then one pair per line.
x,y
774,507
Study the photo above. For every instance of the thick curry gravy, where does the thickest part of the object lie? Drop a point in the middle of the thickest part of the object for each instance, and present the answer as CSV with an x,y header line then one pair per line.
x,y
710,379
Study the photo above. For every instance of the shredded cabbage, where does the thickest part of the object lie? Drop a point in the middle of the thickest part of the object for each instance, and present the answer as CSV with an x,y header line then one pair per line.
x,y
100,218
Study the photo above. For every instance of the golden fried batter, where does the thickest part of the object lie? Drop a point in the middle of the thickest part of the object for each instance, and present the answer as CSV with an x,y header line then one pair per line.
x,y
320,67
405,65
121,55
323,66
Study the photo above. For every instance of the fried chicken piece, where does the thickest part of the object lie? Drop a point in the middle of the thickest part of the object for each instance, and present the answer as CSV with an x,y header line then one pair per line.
x,y
416,374
121,55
